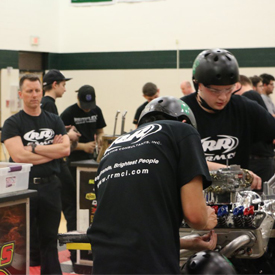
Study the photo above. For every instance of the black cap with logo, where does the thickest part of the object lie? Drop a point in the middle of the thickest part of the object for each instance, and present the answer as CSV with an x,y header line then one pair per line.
x,y
86,96
52,76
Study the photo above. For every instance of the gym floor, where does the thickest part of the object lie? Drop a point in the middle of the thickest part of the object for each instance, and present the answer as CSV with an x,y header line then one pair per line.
x,y
64,255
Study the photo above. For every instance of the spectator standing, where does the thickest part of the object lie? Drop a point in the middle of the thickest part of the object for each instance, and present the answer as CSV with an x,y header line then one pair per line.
x,y
268,87
38,137
261,159
150,91
186,88
257,83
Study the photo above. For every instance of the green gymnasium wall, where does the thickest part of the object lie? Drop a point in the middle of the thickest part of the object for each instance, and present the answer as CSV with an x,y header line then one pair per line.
x,y
249,57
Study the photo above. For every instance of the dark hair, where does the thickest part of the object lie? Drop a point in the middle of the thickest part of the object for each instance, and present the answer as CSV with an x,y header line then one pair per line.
x,y
266,78
244,80
255,80
50,86
149,89
30,77
154,117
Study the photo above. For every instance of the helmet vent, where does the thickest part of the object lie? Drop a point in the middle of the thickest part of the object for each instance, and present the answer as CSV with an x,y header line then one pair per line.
x,y
206,54
216,58
232,75
160,101
218,76
228,57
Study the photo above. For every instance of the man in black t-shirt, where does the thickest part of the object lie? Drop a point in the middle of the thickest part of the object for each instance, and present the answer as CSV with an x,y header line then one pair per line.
x,y
261,159
38,137
88,120
54,86
228,124
150,91
146,182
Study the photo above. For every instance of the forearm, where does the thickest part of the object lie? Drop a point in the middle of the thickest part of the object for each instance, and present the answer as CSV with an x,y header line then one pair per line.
x,y
196,213
29,157
80,146
54,151
197,218
199,243
214,165
19,154
186,243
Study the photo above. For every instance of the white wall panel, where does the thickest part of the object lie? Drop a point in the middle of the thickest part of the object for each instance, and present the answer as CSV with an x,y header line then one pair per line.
x,y
196,24
19,20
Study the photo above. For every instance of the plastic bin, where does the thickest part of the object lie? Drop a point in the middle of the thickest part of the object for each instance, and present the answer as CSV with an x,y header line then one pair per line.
x,y
14,176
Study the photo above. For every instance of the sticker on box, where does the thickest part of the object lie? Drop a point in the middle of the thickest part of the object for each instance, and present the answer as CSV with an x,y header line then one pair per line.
x,y
10,181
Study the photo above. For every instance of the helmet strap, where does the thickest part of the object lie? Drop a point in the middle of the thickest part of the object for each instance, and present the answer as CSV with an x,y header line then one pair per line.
x,y
204,105
237,90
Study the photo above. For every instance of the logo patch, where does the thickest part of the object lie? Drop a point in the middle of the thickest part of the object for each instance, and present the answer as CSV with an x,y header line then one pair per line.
x,y
221,148
136,136
44,134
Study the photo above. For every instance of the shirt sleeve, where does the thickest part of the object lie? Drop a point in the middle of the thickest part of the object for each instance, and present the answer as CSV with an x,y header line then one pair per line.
x,y
192,161
50,107
67,118
263,123
101,121
10,129
60,128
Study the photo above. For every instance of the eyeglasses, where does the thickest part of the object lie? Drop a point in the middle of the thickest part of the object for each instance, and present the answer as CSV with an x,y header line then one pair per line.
x,y
221,91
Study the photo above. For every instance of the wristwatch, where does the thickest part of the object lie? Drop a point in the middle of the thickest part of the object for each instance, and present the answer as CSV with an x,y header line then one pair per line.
x,y
33,147
248,177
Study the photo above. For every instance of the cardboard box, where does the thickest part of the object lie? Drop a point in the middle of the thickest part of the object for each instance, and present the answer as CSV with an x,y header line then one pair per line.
x,y
14,176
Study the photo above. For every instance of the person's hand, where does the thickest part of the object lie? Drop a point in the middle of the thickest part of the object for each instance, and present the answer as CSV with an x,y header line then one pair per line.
x,y
256,182
73,134
205,242
199,243
89,147
57,139
212,218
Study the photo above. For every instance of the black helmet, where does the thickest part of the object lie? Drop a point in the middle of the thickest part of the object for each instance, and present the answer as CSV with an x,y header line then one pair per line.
x,y
208,263
171,107
215,67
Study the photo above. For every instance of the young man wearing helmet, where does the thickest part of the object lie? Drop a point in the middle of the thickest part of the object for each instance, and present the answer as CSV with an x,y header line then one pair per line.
x,y
146,182
228,124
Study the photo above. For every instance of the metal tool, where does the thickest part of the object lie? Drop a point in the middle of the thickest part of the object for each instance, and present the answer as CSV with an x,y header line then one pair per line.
x,y
117,113
123,123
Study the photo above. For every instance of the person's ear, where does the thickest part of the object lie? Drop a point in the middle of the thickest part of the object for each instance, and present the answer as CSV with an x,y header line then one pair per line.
x,y
54,84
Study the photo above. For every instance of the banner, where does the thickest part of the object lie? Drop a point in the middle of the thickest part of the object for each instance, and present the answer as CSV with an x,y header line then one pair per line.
x,y
105,2
92,2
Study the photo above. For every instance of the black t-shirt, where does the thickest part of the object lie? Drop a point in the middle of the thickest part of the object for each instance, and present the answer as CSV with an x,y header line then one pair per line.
x,y
86,123
253,95
230,133
48,104
35,129
136,224
262,149
138,112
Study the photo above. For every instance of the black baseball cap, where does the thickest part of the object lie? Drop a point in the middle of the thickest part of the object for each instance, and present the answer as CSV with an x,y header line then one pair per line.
x,y
86,96
53,75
